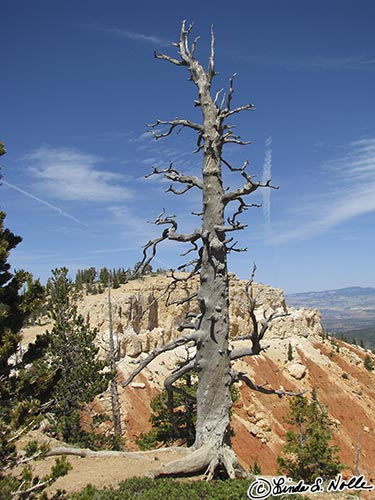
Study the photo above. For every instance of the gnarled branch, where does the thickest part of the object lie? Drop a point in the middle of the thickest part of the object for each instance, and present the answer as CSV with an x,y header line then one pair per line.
x,y
184,339
174,175
177,122
235,169
241,208
249,187
240,376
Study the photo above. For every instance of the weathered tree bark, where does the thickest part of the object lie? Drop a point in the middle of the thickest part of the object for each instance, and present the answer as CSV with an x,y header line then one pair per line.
x,y
115,402
213,397
211,452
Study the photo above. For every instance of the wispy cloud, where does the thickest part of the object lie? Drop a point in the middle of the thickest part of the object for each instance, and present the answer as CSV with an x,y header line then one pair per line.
x,y
332,63
122,33
313,62
68,174
348,192
43,202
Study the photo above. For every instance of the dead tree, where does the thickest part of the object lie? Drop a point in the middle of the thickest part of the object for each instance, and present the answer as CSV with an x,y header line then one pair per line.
x,y
209,330
112,355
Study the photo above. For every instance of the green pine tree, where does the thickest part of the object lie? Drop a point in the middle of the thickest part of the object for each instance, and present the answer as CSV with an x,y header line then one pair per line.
x,y
173,419
307,453
18,407
369,364
104,276
33,296
11,314
73,356
173,426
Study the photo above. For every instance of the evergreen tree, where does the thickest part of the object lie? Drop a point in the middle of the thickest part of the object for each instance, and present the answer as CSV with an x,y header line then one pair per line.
x,y
73,357
123,276
307,453
104,276
173,419
11,313
33,296
176,424
115,279
18,407
369,364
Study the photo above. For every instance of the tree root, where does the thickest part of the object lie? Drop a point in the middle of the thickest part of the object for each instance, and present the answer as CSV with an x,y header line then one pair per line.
x,y
211,461
214,462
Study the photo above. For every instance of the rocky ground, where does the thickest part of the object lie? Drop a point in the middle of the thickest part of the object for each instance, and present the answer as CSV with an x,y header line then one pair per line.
x,y
142,321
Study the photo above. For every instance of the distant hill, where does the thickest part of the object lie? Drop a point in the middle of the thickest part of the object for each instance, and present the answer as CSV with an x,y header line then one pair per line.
x,y
350,309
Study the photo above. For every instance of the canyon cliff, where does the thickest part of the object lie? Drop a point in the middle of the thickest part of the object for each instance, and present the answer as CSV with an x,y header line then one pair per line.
x,y
143,320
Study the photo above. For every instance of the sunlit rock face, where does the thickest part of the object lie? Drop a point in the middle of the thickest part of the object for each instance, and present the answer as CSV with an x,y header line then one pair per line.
x,y
146,313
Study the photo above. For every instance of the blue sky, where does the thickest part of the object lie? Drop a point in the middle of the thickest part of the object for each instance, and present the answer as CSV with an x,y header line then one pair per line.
x,y
79,83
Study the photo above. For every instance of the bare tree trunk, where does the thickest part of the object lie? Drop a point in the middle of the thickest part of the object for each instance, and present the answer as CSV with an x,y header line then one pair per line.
x,y
116,414
357,455
213,362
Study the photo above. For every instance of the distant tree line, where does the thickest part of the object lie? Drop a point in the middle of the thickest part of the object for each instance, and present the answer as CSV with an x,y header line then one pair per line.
x,y
368,362
94,280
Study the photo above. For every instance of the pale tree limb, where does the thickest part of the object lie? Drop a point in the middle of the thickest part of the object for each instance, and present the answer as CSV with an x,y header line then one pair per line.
x,y
194,272
207,459
173,190
177,122
240,376
235,169
232,248
185,299
173,60
174,175
211,63
187,367
227,111
35,487
245,107
234,227
230,138
168,234
85,452
249,187
22,431
184,339
194,249
241,208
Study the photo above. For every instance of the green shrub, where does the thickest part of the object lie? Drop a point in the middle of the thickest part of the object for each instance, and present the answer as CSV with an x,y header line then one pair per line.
x,y
307,453
369,364
172,489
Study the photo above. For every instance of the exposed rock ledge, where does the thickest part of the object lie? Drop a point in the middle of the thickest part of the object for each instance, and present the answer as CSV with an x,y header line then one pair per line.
x,y
142,320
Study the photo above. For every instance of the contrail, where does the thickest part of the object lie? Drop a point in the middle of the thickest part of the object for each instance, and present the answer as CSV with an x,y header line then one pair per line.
x,y
267,167
43,202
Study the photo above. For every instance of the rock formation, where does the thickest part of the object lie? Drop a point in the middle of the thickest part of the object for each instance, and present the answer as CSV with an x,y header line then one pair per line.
x,y
142,320
146,314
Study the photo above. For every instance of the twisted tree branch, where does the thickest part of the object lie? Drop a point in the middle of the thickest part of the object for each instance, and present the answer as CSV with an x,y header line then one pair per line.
x,y
240,376
174,175
177,122
184,339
